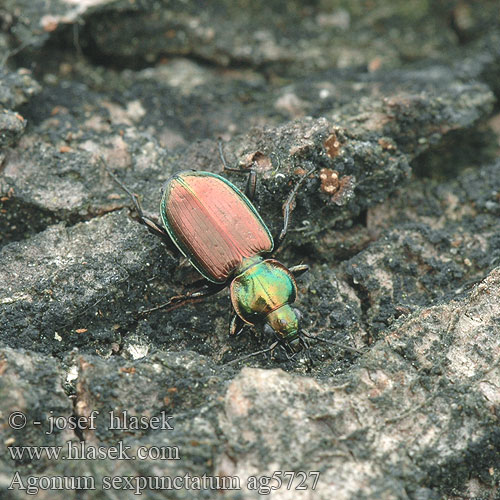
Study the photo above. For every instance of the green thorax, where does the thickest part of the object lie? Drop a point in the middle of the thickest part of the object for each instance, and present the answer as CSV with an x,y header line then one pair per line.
x,y
262,291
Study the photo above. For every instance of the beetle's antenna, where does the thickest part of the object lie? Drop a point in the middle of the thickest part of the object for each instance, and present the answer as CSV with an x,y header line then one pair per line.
x,y
332,342
251,355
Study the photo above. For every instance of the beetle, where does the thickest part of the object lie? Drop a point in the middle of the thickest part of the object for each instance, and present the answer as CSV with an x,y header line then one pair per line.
x,y
217,228
221,233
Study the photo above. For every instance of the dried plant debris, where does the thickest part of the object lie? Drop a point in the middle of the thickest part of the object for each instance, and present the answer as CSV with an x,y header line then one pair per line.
x,y
386,114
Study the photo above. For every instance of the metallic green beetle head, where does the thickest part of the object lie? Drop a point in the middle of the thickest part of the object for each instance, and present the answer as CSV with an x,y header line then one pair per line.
x,y
284,323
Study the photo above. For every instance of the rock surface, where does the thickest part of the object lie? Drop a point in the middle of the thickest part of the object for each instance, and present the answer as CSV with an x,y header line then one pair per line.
x,y
395,104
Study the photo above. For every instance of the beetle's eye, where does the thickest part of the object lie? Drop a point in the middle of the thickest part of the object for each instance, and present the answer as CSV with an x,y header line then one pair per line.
x,y
297,313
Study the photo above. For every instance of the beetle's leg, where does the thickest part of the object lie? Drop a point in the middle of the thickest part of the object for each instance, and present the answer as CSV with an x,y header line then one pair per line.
x,y
190,297
251,185
252,354
288,208
237,325
298,269
153,226
252,174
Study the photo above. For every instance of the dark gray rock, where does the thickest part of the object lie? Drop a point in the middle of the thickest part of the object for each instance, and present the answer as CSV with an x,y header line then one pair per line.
x,y
16,87
31,391
12,125
405,408
289,36
395,105
48,305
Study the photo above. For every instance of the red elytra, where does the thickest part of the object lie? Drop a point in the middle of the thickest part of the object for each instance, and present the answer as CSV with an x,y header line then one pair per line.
x,y
212,223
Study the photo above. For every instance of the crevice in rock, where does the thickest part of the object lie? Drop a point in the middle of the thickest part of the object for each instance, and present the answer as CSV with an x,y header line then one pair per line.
x,y
458,150
70,42
29,219
21,220
362,218
365,303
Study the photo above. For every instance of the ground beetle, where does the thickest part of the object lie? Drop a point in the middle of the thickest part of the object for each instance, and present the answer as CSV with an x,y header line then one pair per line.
x,y
216,227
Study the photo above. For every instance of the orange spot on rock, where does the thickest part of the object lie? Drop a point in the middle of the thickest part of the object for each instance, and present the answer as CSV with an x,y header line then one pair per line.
x,y
332,145
339,188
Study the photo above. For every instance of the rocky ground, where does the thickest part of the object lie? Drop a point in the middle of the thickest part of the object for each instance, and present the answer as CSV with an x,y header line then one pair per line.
x,y
399,99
